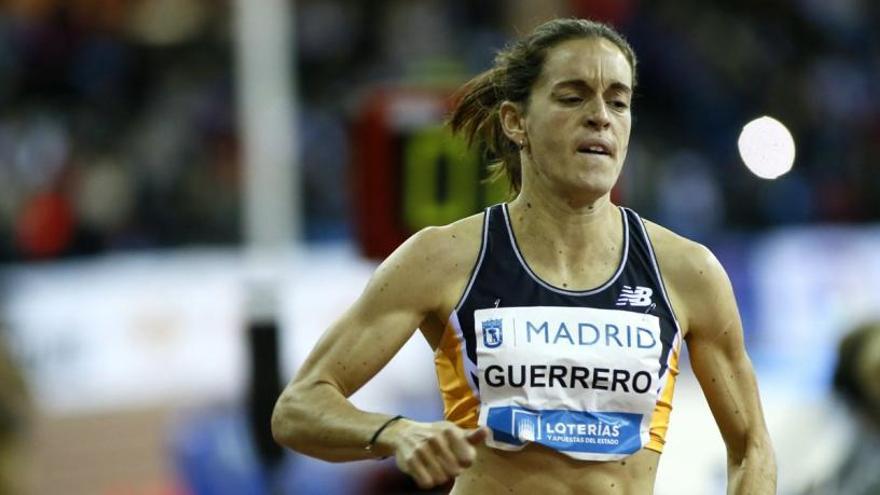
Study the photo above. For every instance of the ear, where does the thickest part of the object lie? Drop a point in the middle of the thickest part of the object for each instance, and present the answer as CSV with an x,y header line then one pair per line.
x,y
512,120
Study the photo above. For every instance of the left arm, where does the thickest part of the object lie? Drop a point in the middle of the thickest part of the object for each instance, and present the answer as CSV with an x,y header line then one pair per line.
x,y
721,365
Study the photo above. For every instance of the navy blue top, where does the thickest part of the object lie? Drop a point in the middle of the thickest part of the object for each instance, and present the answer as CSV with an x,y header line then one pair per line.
x,y
502,278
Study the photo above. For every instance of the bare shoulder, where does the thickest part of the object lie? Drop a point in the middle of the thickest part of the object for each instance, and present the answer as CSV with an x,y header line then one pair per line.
x,y
679,257
448,247
454,242
691,272
438,260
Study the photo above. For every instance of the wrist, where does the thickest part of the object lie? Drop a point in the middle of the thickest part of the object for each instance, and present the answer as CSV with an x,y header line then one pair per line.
x,y
378,446
387,442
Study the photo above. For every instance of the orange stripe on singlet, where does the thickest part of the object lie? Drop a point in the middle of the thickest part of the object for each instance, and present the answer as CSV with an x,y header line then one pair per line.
x,y
460,404
660,417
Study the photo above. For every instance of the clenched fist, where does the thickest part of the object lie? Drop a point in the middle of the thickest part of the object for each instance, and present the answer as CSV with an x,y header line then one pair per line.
x,y
434,453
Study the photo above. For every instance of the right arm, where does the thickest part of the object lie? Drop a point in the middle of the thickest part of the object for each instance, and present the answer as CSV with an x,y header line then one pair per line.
x,y
313,415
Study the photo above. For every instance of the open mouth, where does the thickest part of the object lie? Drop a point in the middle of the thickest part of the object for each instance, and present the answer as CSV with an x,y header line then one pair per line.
x,y
594,149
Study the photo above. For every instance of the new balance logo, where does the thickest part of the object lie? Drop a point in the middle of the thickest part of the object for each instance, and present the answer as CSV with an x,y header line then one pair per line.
x,y
638,296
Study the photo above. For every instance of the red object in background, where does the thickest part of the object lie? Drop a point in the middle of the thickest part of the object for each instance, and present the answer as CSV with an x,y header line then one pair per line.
x,y
614,12
45,227
374,181
386,114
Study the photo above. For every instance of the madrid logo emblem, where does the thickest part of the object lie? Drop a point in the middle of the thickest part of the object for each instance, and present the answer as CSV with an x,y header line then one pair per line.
x,y
492,336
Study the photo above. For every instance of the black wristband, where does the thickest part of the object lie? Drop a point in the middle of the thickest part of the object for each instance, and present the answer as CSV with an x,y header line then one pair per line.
x,y
369,447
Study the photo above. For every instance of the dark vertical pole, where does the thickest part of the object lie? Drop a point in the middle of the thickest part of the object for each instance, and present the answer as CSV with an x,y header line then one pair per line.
x,y
263,387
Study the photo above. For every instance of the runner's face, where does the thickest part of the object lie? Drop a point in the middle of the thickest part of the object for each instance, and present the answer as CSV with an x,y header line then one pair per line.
x,y
578,119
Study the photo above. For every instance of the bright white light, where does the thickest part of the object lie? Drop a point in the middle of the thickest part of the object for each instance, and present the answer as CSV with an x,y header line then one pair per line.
x,y
766,147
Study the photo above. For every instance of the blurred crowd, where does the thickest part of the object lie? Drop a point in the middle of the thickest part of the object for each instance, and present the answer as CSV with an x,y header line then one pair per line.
x,y
116,127
118,122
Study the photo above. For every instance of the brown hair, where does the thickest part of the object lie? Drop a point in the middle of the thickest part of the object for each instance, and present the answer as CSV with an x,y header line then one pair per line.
x,y
511,78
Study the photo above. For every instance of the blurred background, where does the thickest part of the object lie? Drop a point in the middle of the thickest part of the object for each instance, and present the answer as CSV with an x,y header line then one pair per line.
x,y
192,190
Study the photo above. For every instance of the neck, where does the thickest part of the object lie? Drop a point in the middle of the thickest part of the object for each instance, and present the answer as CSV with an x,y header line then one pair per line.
x,y
575,224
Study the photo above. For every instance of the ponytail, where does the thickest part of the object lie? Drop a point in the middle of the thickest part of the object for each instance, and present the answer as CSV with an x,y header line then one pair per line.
x,y
475,115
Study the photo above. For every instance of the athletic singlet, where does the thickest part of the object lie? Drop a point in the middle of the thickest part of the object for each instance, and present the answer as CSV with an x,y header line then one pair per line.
x,y
587,373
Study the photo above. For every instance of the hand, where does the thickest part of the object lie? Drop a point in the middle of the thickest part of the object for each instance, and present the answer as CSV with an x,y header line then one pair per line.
x,y
434,453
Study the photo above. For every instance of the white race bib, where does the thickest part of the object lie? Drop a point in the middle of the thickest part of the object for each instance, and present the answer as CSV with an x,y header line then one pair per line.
x,y
582,381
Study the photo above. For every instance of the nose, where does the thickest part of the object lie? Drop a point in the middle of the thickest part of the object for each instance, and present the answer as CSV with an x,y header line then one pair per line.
x,y
597,115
